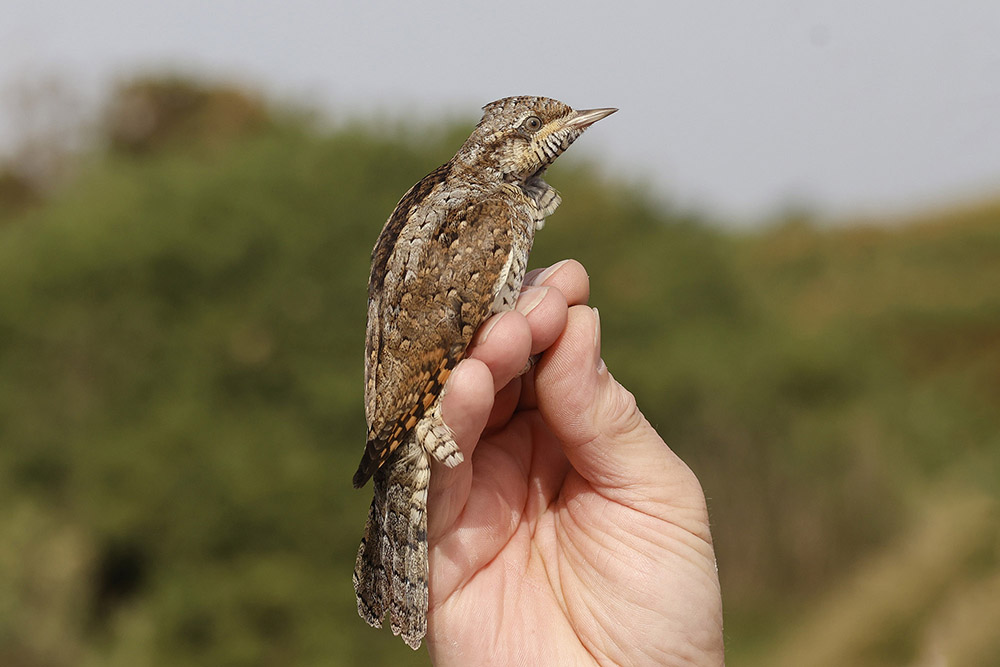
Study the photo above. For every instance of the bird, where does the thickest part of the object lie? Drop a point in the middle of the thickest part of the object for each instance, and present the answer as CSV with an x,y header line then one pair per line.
x,y
452,253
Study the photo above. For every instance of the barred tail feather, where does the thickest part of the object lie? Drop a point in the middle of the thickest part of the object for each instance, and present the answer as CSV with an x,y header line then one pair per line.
x,y
369,573
391,570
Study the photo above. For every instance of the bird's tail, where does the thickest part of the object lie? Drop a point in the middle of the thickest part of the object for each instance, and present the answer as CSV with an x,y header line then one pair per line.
x,y
391,570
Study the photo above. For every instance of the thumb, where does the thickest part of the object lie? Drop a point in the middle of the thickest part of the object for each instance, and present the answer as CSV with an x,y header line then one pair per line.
x,y
603,433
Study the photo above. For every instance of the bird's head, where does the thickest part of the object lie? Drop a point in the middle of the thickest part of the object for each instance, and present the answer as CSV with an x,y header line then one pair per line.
x,y
519,137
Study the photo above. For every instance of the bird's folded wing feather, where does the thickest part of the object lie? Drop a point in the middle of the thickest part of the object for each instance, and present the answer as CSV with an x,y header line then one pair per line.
x,y
420,323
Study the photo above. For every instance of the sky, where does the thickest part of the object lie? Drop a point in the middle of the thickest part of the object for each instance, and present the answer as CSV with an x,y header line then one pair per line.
x,y
740,109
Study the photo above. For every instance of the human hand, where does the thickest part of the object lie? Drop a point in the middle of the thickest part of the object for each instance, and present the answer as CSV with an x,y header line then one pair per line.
x,y
572,534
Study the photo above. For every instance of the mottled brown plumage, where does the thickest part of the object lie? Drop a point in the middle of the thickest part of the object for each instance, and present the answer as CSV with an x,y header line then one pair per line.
x,y
452,253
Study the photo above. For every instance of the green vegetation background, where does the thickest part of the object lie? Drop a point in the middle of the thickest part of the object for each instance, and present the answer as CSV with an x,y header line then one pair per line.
x,y
181,333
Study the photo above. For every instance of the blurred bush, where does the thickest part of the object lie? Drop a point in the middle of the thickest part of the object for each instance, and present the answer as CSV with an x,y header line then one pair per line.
x,y
17,193
181,334
149,115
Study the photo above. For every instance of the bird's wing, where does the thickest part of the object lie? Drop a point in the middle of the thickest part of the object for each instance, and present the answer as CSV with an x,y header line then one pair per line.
x,y
382,261
421,321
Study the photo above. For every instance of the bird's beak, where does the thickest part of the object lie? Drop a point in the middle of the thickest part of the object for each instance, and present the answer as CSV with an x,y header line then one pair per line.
x,y
584,118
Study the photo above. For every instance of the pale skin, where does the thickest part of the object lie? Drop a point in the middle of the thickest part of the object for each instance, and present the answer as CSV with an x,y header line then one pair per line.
x,y
571,534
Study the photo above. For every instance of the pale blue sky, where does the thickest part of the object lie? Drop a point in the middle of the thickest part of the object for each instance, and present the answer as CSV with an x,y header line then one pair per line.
x,y
853,105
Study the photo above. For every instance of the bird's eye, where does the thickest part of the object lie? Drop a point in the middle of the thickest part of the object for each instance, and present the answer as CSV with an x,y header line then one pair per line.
x,y
532,124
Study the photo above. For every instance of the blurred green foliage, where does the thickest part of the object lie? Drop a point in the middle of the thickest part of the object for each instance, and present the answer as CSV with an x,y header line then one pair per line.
x,y
181,334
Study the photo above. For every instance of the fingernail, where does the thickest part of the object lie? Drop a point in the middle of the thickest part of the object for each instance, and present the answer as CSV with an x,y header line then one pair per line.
x,y
547,273
598,361
530,298
487,328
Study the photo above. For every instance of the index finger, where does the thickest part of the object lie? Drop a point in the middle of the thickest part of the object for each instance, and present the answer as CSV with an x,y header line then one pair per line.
x,y
568,276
